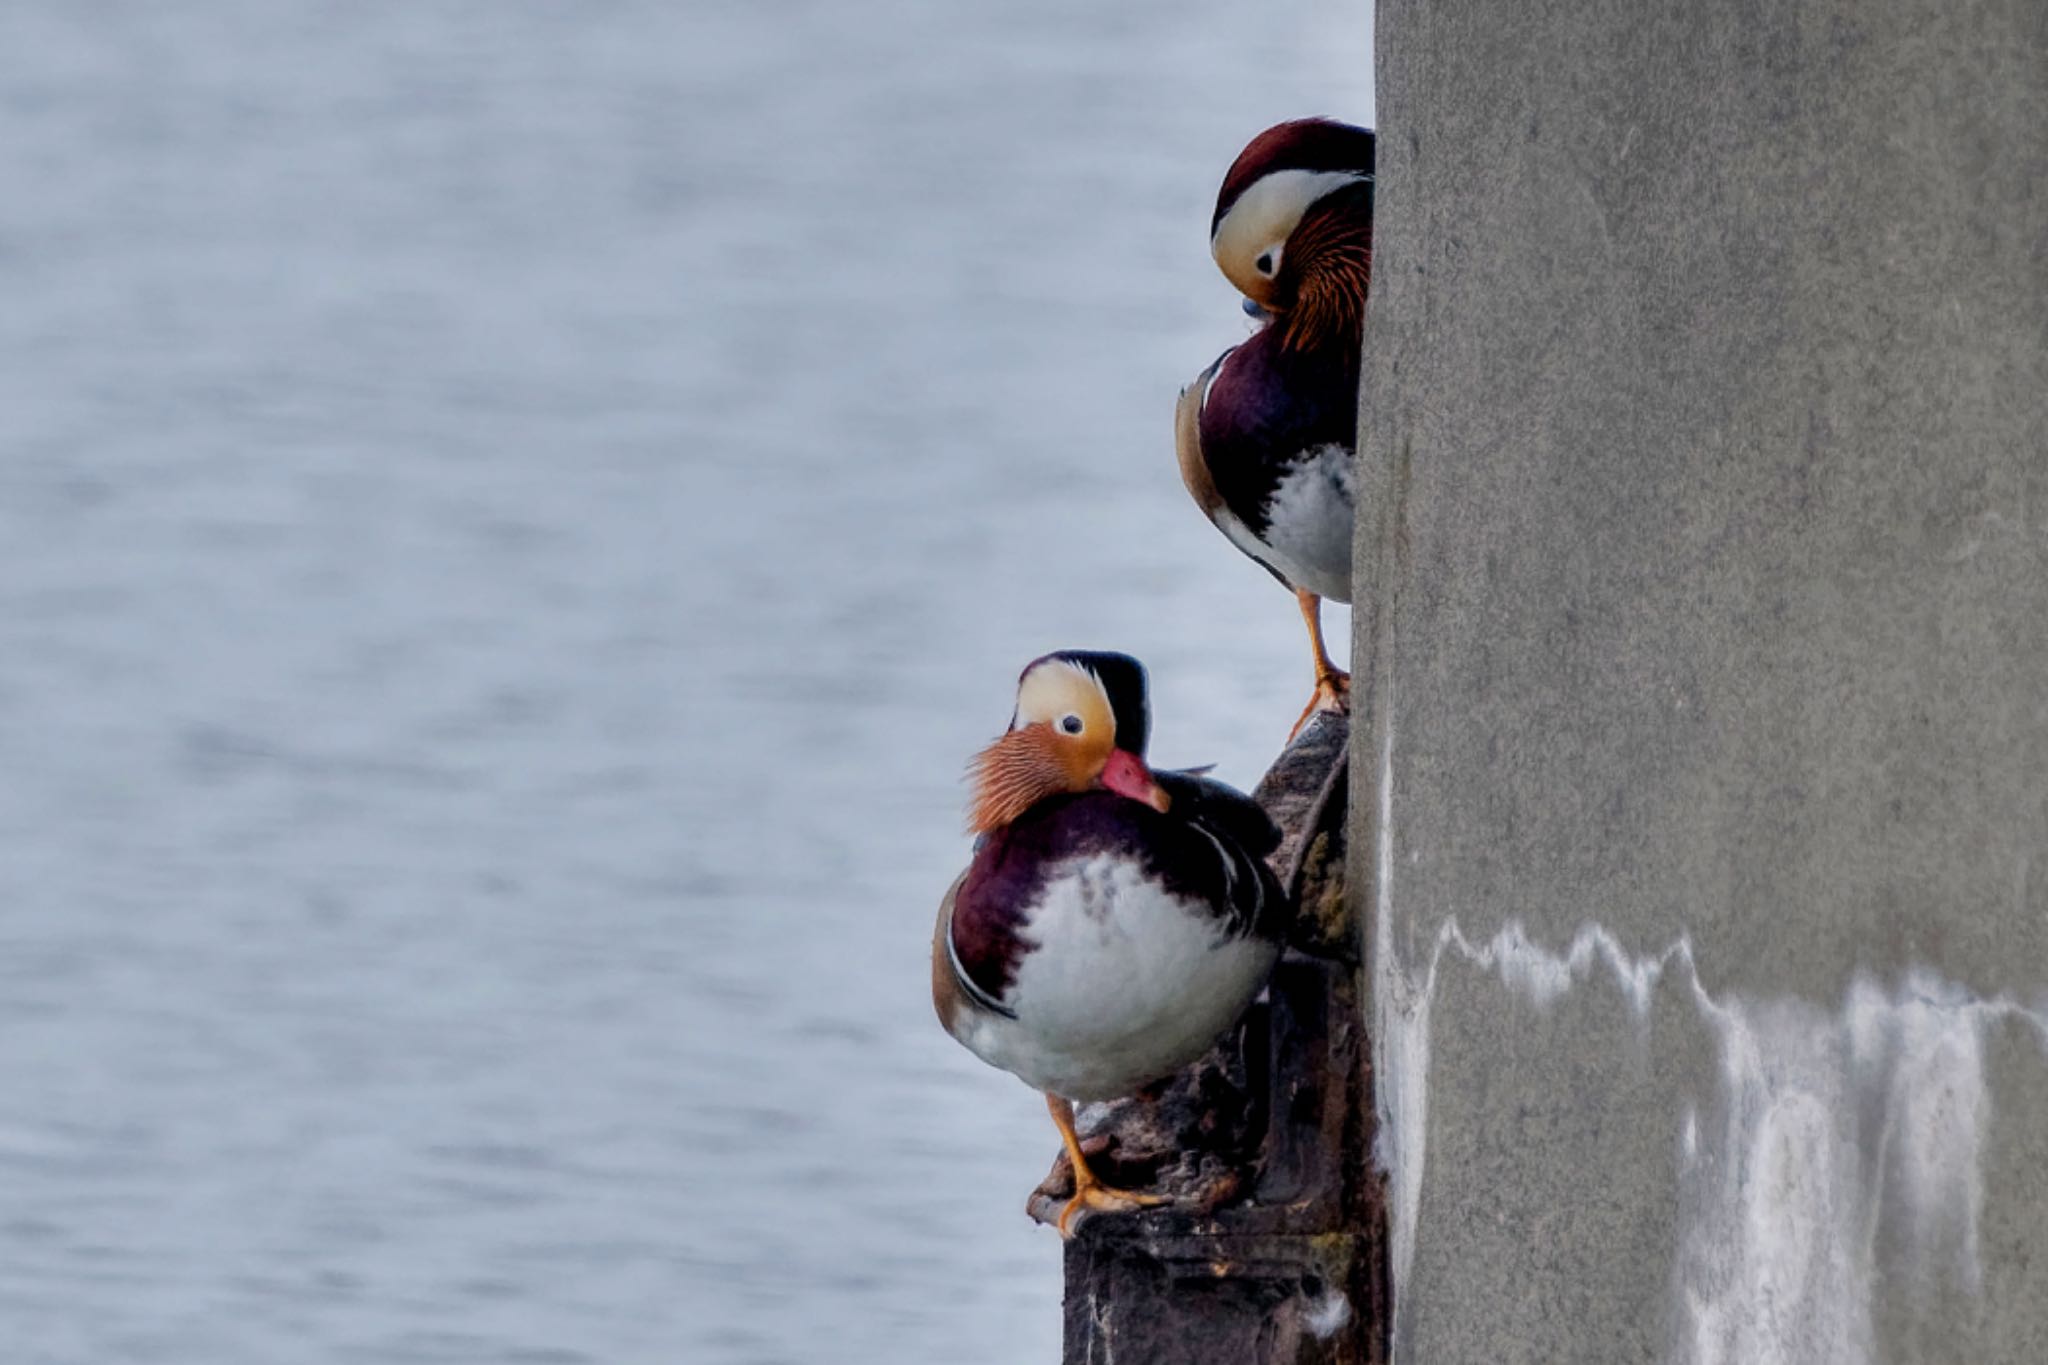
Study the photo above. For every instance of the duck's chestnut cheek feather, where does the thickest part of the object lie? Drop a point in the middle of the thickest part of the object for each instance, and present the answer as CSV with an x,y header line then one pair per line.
x,y
1126,775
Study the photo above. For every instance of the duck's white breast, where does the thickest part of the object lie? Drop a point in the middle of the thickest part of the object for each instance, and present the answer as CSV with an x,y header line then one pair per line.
x,y
1122,982
1308,524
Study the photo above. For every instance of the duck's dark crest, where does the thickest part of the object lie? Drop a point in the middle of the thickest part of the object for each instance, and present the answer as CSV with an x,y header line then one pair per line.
x,y
1307,144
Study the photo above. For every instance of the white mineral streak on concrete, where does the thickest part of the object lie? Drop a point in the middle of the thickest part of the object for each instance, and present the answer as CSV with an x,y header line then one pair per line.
x,y
1925,1055
1827,1121
1402,1011
1401,1028
1773,1265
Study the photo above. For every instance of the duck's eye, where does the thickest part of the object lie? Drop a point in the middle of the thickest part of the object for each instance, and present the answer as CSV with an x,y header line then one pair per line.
x,y
1265,264
1071,723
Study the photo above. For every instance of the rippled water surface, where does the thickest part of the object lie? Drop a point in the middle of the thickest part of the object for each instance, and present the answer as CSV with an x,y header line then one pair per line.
x,y
512,518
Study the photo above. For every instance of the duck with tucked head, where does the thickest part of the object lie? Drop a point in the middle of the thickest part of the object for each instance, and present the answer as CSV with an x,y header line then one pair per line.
x,y
1267,433
1114,921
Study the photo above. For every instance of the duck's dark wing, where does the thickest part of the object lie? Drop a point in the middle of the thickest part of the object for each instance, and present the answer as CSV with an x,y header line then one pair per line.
x,y
1224,808
1255,903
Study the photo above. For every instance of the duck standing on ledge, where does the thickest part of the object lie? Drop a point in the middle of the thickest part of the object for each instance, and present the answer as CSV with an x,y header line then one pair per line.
x,y
1114,921
1267,433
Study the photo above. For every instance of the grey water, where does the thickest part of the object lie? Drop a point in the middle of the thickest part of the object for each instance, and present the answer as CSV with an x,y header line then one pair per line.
x,y
513,517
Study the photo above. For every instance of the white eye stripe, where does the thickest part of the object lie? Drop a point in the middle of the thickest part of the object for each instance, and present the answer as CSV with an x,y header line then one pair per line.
x,y
1270,208
1049,694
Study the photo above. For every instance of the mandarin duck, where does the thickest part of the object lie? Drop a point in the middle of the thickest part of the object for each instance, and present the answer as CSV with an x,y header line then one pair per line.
x,y
1113,921
1267,433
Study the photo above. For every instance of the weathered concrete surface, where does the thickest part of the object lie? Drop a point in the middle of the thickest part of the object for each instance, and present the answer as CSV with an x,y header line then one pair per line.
x,y
1702,769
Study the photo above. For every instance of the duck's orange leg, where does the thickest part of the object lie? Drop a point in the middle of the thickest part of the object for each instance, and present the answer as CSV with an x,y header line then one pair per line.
x,y
1089,1192
1333,684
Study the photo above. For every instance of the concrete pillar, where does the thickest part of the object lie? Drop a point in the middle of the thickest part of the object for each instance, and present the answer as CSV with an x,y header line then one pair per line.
x,y
1701,773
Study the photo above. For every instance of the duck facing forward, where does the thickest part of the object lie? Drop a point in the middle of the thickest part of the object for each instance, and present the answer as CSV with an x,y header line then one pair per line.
x,y
1114,922
1266,434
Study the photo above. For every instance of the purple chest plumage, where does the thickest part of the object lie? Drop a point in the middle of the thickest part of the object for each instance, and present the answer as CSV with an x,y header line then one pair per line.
x,y
1209,852
1269,409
